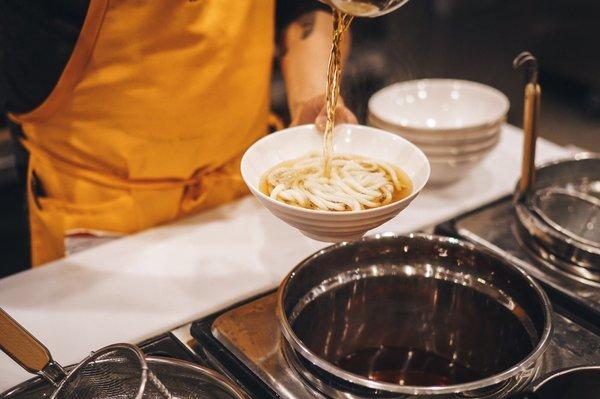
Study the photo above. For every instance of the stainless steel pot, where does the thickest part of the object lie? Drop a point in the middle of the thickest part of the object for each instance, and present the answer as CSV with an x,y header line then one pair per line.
x,y
572,383
412,316
560,213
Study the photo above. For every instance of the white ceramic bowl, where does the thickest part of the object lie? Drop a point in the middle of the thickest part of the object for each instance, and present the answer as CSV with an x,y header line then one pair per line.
x,y
459,150
452,147
451,169
441,138
455,122
440,107
332,226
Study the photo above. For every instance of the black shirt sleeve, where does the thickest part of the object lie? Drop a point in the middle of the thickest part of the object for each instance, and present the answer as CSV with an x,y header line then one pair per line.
x,y
37,38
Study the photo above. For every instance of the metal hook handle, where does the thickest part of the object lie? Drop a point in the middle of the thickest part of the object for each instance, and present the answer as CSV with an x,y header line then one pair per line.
x,y
530,121
527,58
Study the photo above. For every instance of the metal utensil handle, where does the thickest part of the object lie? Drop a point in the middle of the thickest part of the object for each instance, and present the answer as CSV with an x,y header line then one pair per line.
x,y
531,113
530,127
26,350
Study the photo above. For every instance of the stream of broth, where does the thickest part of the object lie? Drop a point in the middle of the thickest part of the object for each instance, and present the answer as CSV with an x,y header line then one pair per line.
x,y
341,22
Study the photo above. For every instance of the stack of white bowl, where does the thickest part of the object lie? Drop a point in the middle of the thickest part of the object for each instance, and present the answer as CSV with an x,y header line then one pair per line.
x,y
456,123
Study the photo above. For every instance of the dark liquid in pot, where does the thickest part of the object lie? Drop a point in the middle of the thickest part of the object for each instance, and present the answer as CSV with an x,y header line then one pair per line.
x,y
406,367
433,332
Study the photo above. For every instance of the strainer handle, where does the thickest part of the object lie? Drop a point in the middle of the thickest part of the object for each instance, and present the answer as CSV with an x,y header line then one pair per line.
x,y
531,111
21,346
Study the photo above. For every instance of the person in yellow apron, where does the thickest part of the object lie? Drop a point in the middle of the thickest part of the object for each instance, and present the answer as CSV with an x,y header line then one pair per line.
x,y
154,108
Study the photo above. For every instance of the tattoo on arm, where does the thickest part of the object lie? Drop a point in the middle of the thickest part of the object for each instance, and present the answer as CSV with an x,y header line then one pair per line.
x,y
307,23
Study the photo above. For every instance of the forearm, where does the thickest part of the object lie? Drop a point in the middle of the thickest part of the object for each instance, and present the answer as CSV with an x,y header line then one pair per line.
x,y
306,45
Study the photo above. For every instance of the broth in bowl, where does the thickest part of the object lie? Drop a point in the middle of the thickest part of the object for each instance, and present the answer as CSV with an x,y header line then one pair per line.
x,y
354,183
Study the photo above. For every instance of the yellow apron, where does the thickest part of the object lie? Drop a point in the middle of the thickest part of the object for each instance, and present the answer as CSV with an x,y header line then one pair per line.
x,y
149,118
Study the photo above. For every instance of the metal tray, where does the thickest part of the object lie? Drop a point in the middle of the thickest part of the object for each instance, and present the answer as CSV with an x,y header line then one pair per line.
x,y
495,226
244,343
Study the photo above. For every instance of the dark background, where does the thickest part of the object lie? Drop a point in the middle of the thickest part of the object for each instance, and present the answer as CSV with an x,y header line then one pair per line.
x,y
466,39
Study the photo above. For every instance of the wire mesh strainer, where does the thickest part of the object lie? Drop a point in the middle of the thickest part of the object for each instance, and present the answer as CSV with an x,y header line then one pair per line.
x,y
575,213
558,204
116,371
184,380
190,381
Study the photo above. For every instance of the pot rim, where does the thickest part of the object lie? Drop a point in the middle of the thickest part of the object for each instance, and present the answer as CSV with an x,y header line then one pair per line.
x,y
535,225
305,352
556,374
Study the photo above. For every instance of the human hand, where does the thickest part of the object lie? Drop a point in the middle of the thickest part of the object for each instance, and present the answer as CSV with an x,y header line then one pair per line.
x,y
314,111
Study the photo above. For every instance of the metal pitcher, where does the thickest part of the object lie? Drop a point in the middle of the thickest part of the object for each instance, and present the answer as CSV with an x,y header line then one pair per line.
x,y
365,8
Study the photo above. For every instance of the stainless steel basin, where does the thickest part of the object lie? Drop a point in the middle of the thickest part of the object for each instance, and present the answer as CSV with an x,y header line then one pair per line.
x,y
396,317
560,215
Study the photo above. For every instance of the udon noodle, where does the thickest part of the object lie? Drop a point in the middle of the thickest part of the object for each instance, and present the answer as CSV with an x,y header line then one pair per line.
x,y
355,183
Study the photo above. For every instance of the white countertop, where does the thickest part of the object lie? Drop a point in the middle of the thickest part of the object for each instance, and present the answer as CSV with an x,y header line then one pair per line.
x,y
145,284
